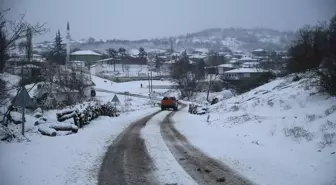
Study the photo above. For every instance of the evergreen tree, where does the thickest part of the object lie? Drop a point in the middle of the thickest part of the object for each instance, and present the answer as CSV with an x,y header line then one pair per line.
x,y
58,52
142,53
29,44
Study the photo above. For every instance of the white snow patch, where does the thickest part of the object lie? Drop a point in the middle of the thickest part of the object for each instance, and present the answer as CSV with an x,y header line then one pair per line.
x,y
85,52
167,170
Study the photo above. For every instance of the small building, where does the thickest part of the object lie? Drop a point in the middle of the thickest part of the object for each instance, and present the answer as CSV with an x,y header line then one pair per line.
x,y
245,59
87,56
242,73
225,67
260,52
77,64
238,54
250,65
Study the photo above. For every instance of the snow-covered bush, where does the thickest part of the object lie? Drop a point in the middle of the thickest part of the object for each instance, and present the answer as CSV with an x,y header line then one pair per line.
x,y
328,139
234,108
287,107
328,126
310,117
331,110
298,132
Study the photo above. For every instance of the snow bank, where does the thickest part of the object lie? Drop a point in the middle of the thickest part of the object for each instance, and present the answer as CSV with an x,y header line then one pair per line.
x,y
167,169
74,159
279,133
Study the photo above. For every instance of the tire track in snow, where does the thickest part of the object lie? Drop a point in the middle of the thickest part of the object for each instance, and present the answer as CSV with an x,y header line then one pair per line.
x,y
127,161
199,166
167,170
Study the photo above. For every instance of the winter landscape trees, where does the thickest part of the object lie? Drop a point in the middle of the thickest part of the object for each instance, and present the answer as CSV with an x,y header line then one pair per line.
x,y
184,74
314,50
13,31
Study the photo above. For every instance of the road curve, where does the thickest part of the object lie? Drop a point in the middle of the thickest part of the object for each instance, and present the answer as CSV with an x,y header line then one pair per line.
x,y
127,161
203,169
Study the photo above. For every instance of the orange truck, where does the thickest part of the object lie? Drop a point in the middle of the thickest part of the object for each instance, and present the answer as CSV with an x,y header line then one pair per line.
x,y
169,102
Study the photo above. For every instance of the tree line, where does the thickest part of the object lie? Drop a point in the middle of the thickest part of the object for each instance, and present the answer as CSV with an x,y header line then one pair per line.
x,y
314,50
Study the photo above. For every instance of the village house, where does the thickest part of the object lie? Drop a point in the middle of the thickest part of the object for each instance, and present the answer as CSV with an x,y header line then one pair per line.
x,y
243,73
88,56
260,52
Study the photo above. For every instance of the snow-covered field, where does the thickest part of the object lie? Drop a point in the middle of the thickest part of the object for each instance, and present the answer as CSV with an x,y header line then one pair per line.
x,y
280,133
73,159
167,170
131,70
131,87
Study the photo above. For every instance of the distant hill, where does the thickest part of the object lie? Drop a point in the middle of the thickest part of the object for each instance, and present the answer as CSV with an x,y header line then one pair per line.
x,y
215,38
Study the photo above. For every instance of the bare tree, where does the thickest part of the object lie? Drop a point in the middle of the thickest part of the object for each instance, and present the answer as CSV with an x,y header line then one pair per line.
x,y
114,55
12,31
213,61
184,73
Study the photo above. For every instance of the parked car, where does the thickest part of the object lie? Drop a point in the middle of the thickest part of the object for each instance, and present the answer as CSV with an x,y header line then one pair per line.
x,y
169,102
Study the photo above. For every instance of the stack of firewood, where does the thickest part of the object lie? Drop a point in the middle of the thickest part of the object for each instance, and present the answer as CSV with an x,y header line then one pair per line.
x,y
90,113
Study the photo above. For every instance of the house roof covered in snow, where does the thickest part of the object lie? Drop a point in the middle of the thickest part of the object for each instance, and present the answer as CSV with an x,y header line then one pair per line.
x,y
246,70
85,52
251,63
203,50
233,61
226,65
247,58
134,52
259,50
198,56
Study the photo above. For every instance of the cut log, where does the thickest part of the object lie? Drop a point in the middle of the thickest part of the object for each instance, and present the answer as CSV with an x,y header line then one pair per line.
x,y
63,133
40,121
65,112
64,127
45,130
66,116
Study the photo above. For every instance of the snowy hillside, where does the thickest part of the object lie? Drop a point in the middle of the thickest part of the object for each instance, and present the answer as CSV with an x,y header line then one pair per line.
x,y
216,38
283,132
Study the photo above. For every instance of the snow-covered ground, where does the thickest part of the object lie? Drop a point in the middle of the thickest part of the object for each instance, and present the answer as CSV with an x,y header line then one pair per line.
x,y
167,170
73,159
280,133
131,70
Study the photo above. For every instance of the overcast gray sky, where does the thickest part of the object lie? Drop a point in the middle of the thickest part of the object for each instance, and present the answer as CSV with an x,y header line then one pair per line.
x,y
136,19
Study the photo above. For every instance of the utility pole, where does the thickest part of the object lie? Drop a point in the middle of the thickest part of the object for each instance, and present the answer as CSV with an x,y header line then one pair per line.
x,y
23,104
149,84
151,81
67,45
